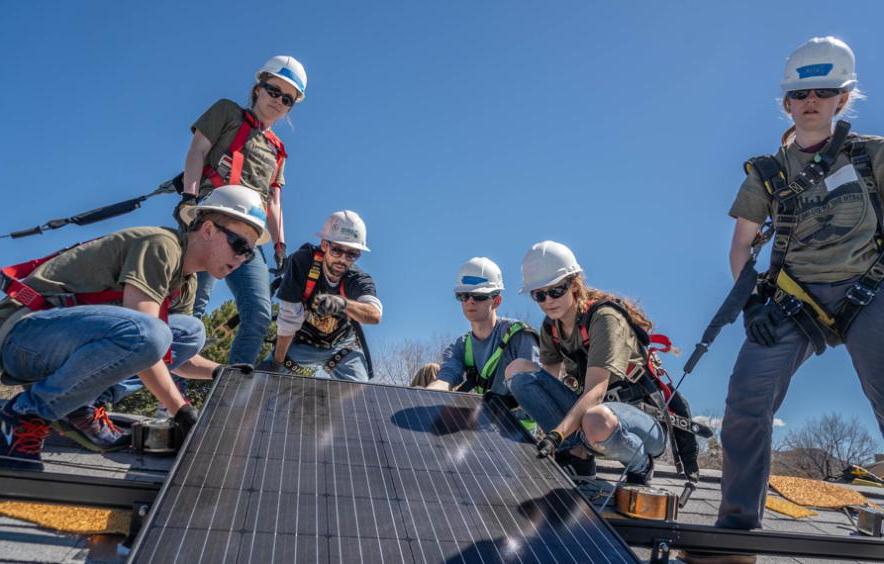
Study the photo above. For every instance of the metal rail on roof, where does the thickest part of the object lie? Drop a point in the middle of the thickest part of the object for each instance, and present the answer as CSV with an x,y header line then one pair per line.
x,y
77,489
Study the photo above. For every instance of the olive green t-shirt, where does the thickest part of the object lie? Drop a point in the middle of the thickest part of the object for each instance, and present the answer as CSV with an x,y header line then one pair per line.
x,y
612,345
220,124
834,239
148,258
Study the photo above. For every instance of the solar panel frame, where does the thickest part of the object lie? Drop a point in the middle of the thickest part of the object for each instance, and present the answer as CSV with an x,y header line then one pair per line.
x,y
417,462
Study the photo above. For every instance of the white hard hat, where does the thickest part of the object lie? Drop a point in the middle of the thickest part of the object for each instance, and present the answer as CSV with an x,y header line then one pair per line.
x,y
346,228
547,263
235,201
479,275
288,69
822,62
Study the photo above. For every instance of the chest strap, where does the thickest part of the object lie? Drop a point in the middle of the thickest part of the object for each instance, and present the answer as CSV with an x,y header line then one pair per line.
x,y
234,158
480,380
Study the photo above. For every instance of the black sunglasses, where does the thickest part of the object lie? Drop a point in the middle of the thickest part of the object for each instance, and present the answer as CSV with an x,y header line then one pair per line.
x,y
338,252
539,296
821,93
237,242
464,296
275,92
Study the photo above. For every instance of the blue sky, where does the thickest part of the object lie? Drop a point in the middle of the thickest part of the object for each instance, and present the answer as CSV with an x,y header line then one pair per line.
x,y
455,129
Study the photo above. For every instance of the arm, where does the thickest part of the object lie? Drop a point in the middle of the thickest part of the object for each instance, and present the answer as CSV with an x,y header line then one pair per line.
x,y
155,378
741,244
289,320
197,368
362,312
195,161
439,385
274,216
554,369
283,342
593,392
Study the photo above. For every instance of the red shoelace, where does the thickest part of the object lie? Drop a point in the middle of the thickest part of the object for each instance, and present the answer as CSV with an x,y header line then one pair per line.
x,y
102,417
29,435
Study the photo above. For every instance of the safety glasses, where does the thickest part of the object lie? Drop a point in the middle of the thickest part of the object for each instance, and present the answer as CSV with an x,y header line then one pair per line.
x,y
339,252
275,92
539,296
237,242
464,296
821,93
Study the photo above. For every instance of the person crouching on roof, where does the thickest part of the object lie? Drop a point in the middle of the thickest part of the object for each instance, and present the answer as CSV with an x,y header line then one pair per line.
x,y
234,145
141,283
477,361
324,297
587,345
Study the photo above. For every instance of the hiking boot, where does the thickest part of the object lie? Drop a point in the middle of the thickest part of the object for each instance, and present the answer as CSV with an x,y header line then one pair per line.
x,y
579,469
91,428
21,439
699,557
643,477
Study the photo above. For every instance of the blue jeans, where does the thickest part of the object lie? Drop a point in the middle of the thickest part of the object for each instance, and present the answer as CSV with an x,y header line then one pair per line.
x,y
250,285
73,354
188,338
353,366
547,401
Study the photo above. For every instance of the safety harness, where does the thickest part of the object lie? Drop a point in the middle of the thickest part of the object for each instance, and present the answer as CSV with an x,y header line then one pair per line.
x,y
644,385
12,284
815,320
480,380
233,159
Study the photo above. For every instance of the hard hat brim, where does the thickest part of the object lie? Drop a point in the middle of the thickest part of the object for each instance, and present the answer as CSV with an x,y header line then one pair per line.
x,y
349,244
544,283
475,290
821,82
189,214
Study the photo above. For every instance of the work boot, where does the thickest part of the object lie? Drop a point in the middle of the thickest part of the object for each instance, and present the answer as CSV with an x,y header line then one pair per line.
x,y
579,469
91,428
642,477
21,439
698,557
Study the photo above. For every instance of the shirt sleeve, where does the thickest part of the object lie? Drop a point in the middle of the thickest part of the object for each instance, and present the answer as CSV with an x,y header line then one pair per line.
x,y
290,318
185,301
373,300
359,284
452,370
548,352
609,335
216,119
752,201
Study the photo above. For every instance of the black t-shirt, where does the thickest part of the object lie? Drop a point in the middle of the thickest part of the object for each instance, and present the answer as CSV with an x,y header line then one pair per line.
x,y
321,331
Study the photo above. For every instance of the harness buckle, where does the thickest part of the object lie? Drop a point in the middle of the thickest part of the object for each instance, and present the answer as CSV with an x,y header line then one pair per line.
x,y
789,304
860,295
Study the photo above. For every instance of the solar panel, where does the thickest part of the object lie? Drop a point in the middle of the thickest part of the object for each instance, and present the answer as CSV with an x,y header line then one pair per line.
x,y
283,469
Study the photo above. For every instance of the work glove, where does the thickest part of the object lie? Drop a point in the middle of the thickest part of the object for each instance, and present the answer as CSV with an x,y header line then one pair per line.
x,y
187,200
279,256
185,419
760,320
271,365
243,367
549,444
330,304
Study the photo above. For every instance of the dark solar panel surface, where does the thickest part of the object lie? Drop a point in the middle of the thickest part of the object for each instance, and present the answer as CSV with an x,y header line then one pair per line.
x,y
284,469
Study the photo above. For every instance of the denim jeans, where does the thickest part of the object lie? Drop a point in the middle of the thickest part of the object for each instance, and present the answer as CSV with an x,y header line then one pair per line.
x,y
250,285
188,338
73,354
547,401
758,387
353,366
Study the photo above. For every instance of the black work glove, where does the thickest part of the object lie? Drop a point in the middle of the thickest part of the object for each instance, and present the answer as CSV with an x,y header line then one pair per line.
x,y
186,419
549,444
760,320
272,366
243,367
279,256
330,304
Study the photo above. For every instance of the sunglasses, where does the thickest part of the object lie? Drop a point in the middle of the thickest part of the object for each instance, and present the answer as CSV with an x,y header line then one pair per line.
x,y
275,92
464,296
821,93
539,296
339,252
238,243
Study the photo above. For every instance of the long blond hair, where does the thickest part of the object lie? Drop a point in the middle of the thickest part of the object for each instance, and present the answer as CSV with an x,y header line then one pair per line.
x,y
586,296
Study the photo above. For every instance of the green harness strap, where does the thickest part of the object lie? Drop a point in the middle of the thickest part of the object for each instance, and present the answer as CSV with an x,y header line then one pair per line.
x,y
484,376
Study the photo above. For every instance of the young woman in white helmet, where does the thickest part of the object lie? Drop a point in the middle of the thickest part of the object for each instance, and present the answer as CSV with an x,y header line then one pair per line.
x,y
235,145
819,260
586,349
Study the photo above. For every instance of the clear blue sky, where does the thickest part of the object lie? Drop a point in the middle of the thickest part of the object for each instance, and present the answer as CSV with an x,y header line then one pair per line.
x,y
455,129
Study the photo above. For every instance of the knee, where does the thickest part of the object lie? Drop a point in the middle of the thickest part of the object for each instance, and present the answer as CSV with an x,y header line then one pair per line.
x,y
188,331
154,336
425,375
519,365
599,423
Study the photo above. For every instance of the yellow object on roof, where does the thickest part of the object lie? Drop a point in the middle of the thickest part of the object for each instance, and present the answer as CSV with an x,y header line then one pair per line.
x,y
786,507
77,519
816,493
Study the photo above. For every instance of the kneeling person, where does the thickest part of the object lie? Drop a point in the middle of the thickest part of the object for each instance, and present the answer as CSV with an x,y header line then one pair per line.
x,y
324,297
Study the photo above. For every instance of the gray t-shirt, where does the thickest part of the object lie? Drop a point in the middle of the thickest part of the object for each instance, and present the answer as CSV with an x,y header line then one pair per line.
x,y
522,345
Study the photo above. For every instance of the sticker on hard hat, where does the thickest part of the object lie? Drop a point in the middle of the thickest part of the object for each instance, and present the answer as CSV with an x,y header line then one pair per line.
x,y
258,213
473,280
349,232
810,71
287,72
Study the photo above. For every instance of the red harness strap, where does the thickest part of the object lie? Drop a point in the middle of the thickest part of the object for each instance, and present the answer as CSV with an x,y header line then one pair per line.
x,y
12,285
235,154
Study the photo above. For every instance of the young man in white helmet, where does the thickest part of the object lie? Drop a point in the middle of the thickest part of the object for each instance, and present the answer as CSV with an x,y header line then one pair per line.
x,y
477,360
236,145
139,285
324,297
826,267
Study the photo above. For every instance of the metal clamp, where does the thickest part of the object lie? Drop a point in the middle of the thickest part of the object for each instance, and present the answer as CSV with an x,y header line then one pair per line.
x,y
860,295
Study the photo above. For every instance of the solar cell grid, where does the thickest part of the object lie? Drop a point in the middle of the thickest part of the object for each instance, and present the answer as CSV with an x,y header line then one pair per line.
x,y
301,469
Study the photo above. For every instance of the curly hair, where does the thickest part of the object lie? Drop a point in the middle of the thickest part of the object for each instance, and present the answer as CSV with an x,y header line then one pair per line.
x,y
586,296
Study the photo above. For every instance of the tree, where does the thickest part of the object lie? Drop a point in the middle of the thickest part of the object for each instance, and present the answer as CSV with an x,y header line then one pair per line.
x,y
823,447
396,364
